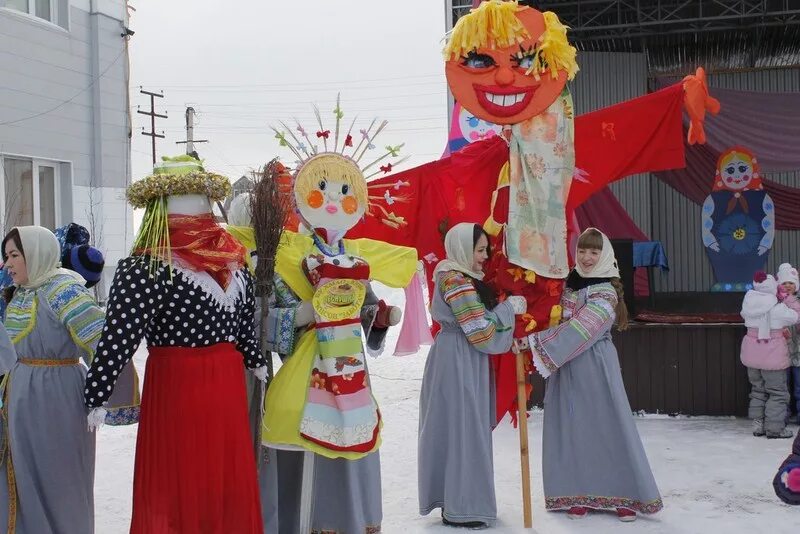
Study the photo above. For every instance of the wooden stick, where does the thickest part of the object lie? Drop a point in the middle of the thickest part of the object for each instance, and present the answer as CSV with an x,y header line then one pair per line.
x,y
522,418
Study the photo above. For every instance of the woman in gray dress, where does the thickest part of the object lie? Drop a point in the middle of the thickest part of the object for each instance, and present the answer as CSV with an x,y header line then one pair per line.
x,y
592,455
455,467
47,473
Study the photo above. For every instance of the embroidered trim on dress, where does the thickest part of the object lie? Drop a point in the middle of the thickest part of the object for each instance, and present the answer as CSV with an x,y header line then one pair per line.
x,y
538,350
603,503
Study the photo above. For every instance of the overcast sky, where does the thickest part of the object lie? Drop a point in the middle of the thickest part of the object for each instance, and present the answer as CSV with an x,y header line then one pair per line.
x,y
247,64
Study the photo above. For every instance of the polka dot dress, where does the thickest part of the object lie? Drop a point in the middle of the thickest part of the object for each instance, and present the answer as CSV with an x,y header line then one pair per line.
x,y
168,312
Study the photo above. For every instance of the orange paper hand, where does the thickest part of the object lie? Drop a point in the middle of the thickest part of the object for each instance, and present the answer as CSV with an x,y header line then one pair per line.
x,y
697,102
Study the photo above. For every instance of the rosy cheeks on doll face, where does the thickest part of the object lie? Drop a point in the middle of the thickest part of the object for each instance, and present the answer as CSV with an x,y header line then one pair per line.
x,y
315,199
350,204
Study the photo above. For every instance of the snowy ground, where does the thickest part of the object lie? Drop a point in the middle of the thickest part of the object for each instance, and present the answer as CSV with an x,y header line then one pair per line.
x,y
713,475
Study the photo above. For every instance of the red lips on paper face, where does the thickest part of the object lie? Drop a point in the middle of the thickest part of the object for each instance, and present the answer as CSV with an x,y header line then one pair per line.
x,y
330,208
504,101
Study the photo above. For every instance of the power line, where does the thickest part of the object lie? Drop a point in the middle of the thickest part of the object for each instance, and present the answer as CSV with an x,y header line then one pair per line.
x,y
76,95
310,82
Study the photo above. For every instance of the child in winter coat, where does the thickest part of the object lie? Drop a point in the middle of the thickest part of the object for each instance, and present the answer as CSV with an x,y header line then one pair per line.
x,y
765,354
787,480
788,280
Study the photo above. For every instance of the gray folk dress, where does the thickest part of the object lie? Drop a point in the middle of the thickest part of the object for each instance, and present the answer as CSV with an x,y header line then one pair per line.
x,y
347,496
47,474
456,412
592,455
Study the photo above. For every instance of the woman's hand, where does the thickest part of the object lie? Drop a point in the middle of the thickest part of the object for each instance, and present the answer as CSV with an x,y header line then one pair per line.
x,y
521,344
518,304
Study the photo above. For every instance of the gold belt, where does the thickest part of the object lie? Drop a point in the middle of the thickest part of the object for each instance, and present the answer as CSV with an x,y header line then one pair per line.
x,y
34,362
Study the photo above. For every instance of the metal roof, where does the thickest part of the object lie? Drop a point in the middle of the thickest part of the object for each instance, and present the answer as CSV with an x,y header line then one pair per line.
x,y
678,35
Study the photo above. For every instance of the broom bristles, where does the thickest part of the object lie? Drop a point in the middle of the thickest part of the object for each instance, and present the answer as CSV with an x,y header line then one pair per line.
x,y
269,211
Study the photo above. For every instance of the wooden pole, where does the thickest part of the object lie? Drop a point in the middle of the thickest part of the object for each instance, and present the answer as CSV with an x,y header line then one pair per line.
x,y
522,418
307,493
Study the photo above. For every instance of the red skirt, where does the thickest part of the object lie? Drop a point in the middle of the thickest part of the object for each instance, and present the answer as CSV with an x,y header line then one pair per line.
x,y
195,471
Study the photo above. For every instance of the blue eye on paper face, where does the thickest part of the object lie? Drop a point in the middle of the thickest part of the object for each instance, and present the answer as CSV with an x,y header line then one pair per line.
x,y
473,122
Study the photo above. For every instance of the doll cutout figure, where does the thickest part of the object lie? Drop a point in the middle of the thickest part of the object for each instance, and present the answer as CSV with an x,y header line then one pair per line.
x,y
320,400
738,221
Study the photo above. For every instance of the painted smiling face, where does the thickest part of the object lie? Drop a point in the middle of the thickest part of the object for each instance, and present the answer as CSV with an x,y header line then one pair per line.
x,y
330,192
474,128
737,170
510,84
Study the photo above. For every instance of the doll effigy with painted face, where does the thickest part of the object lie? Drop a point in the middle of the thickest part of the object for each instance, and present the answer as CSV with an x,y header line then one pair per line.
x,y
738,221
509,64
321,401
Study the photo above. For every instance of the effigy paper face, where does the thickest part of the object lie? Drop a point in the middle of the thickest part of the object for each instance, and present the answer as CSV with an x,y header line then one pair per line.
x,y
330,192
501,85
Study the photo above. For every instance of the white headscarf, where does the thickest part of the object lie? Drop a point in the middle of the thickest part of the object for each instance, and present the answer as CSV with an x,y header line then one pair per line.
x,y
42,256
458,243
239,214
606,267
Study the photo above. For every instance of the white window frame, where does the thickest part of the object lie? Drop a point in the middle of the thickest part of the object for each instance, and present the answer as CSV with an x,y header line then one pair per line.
x,y
36,162
30,15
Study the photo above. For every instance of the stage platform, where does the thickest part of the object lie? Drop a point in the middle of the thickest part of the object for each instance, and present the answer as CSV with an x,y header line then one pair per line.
x,y
690,368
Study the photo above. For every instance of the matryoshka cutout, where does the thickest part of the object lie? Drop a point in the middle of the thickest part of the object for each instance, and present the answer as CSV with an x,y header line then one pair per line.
x,y
738,221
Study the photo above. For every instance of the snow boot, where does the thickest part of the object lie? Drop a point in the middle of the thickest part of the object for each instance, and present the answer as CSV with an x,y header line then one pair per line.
x,y
783,434
758,427
471,525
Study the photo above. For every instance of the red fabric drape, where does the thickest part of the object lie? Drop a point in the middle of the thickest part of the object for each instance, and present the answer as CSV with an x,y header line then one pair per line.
x,y
696,179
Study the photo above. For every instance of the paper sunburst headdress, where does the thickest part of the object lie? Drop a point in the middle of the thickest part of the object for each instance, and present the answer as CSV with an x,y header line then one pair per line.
x,y
349,149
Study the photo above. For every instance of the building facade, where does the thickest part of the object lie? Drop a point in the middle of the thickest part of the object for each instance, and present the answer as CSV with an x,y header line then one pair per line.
x,y
65,118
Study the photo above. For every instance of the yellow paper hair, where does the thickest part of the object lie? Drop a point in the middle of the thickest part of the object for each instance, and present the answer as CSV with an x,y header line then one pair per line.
x,y
492,24
554,53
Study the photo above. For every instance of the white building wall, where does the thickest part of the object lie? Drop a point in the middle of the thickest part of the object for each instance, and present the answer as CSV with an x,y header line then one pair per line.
x,y
64,98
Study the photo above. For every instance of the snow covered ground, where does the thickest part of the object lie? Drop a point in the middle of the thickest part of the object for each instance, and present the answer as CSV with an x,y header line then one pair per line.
x,y
714,476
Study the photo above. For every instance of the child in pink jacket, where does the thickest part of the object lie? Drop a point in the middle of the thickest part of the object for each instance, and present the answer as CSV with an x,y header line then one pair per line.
x,y
765,353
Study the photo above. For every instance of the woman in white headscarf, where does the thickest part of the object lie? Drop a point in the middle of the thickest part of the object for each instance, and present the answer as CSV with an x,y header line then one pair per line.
x,y
47,473
456,415
592,456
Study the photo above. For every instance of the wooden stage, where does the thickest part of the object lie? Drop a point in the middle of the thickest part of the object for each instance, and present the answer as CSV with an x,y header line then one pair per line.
x,y
681,368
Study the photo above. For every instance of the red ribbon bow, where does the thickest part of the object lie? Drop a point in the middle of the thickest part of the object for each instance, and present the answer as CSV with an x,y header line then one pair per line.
x,y
348,141
324,134
386,168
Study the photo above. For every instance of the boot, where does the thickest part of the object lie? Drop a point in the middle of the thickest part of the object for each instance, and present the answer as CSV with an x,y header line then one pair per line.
x,y
783,434
626,515
577,512
758,427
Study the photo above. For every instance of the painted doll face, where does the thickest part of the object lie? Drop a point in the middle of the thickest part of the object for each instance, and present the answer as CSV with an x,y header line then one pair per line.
x,y
474,128
492,84
330,192
737,173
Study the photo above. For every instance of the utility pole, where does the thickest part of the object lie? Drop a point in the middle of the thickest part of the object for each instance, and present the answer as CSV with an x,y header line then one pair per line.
x,y
152,114
190,140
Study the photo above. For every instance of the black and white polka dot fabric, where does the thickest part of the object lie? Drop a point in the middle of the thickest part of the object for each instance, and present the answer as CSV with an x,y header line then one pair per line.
x,y
167,311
